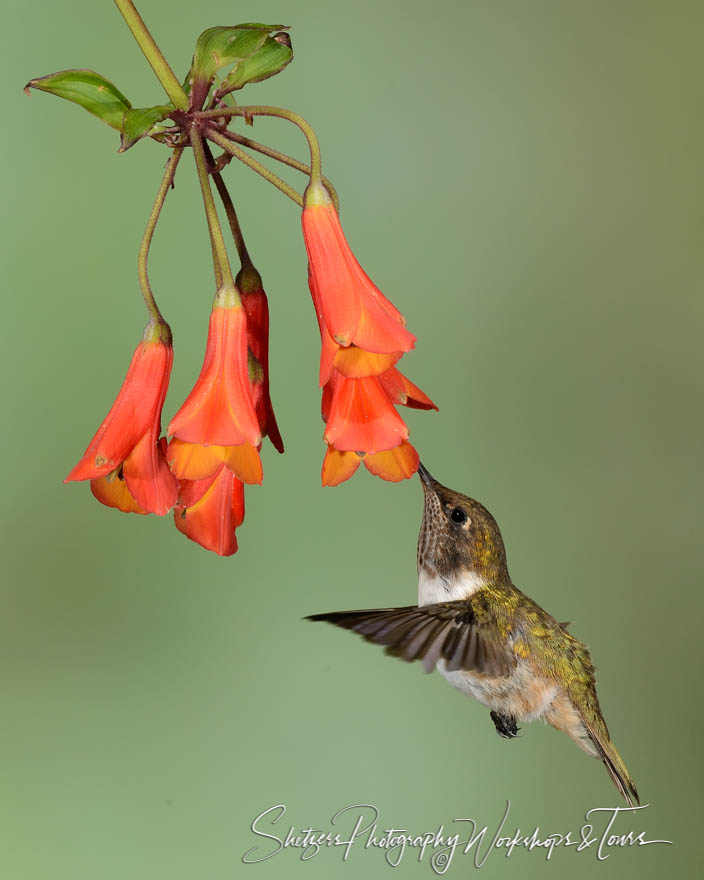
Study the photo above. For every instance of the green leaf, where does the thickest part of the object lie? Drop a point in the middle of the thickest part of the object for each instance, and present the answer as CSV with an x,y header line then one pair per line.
x,y
89,89
142,122
268,60
219,47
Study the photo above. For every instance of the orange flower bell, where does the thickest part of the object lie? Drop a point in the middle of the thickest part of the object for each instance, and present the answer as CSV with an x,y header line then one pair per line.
x,y
355,311
219,410
125,460
217,432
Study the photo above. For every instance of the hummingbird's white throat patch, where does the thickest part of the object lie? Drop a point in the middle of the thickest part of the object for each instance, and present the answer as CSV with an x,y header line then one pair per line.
x,y
432,587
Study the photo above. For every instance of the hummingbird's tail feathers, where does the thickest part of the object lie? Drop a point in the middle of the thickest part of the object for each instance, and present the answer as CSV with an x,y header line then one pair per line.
x,y
614,764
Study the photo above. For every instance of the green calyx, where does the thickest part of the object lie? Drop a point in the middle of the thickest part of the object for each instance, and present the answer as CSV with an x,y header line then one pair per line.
x,y
316,195
248,280
157,331
227,297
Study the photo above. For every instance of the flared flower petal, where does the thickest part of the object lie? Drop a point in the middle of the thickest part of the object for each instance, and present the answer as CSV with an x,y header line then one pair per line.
x,y
245,463
193,461
148,477
191,491
402,391
219,411
395,464
353,308
339,466
356,363
362,418
112,491
212,519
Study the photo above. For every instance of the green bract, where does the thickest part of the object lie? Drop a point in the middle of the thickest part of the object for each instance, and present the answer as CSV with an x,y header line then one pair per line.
x,y
219,47
271,58
89,89
250,50
139,123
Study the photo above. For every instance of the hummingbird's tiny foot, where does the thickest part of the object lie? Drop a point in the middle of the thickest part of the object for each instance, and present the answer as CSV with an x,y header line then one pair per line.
x,y
505,725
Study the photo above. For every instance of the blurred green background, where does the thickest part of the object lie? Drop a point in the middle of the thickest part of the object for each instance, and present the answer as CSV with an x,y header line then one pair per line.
x,y
523,180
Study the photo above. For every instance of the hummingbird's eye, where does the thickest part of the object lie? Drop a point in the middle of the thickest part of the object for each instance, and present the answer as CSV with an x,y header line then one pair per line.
x,y
457,515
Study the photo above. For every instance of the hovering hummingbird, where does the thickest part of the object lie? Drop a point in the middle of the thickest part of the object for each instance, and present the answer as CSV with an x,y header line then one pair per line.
x,y
487,638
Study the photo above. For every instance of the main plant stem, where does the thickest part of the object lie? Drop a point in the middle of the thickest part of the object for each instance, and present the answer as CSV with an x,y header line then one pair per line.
x,y
153,54
223,272
143,257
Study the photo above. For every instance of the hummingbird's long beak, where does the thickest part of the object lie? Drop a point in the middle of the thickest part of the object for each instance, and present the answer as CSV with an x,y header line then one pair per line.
x,y
425,475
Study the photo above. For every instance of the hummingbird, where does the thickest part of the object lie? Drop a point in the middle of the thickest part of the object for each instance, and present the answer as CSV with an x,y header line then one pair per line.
x,y
487,638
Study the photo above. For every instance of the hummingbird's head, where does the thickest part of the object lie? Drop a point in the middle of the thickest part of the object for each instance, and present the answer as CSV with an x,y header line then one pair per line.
x,y
458,536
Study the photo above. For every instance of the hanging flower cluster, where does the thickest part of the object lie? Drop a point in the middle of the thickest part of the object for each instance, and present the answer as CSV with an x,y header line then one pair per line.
x,y
212,444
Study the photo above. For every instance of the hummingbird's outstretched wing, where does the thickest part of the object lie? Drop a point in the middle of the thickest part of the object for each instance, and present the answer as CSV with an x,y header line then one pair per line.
x,y
446,631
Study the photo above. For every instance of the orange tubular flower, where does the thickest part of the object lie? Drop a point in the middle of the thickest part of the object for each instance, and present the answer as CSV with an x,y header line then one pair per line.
x,y
217,432
256,308
355,311
219,410
125,460
362,336
362,424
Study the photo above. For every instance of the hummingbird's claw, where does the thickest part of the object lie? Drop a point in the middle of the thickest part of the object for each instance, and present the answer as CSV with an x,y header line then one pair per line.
x,y
505,725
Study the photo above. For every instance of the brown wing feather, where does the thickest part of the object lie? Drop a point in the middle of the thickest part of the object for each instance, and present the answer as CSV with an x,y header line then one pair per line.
x,y
445,630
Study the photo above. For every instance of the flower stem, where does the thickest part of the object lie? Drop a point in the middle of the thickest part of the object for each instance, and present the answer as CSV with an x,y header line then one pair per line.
x,y
223,272
143,257
223,142
282,113
152,53
283,158
229,206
